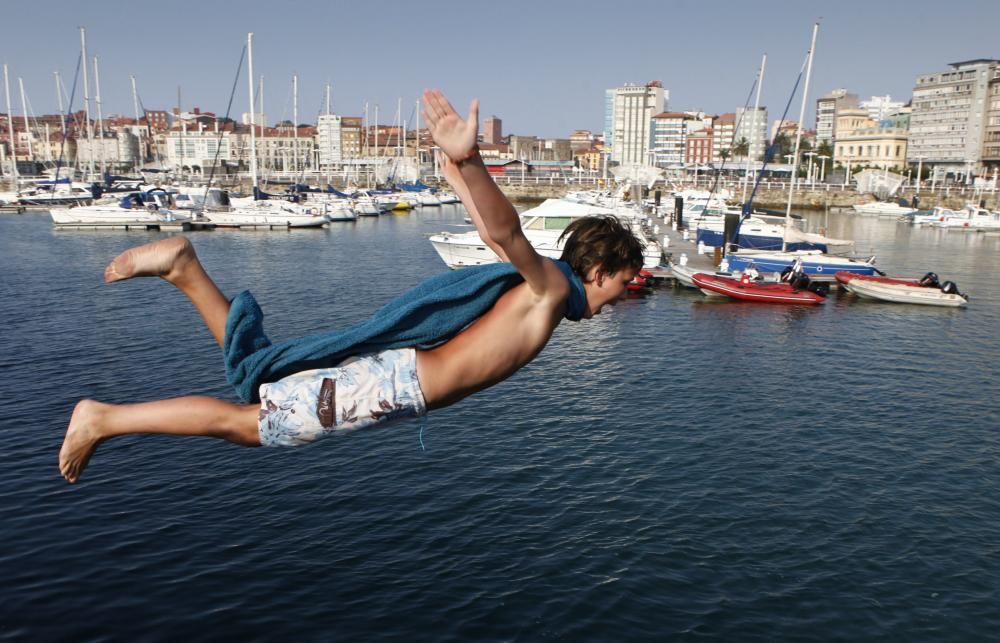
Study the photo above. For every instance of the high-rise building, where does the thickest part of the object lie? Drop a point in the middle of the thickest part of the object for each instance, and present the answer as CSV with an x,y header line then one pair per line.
x,y
991,139
350,137
492,130
948,122
723,133
328,140
881,107
752,127
631,119
826,113
670,134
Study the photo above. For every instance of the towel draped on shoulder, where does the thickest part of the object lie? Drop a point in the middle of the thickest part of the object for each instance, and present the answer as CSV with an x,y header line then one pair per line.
x,y
430,313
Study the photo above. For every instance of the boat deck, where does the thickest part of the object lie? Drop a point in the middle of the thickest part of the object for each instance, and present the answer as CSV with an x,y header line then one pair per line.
x,y
176,226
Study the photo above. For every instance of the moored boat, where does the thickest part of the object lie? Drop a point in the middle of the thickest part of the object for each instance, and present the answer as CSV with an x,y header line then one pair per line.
x,y
946,295
747,289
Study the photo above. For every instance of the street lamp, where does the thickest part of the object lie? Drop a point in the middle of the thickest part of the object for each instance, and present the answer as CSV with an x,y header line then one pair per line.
x,y
788,161
822,167
809,172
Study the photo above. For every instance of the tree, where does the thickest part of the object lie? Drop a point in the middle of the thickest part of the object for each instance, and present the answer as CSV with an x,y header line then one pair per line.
x,y
782,145
742,147
825,149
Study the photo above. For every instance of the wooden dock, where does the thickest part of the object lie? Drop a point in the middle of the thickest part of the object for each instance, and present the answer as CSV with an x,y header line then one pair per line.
x,y
677,248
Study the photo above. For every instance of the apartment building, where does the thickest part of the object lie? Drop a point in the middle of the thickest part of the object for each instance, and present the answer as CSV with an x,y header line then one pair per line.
x,y
827,108
629,112
948,123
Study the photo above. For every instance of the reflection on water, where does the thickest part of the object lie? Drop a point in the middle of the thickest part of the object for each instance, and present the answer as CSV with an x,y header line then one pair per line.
x,y
678,466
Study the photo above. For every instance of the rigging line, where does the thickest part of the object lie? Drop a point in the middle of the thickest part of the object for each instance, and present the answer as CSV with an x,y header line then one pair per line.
x,y
218,146
69,110
748,206
732,143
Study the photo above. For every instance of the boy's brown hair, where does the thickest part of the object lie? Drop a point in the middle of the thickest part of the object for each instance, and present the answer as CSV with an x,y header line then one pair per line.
x,y
601,240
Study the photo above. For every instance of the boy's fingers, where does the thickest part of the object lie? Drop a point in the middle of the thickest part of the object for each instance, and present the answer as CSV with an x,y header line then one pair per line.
x,y
434,100
474,111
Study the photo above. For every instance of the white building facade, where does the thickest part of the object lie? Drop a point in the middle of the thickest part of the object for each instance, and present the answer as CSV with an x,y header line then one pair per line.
x,y
190,149
329,148
948,121
752,126
631,122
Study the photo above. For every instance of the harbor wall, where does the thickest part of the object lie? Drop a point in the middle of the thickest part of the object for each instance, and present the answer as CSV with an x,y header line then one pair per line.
x,y
776,198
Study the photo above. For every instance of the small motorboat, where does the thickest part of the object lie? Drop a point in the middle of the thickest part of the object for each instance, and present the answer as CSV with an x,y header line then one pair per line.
x,y
844,278
927,291
793,291
643,280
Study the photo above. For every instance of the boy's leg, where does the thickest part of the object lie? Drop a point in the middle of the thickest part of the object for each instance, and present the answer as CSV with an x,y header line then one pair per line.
x,y
174,260
93,423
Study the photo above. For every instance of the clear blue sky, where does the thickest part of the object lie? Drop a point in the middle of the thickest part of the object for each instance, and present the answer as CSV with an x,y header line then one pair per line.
x,y
542,66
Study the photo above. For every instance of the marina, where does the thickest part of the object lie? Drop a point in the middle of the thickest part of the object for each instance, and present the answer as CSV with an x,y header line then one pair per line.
x,y
783,427
700,492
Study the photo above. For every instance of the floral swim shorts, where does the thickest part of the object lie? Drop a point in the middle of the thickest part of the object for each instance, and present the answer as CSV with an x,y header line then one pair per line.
x,y
359,393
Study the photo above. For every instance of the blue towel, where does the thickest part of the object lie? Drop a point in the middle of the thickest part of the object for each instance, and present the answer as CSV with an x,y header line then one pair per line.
x,y
429,314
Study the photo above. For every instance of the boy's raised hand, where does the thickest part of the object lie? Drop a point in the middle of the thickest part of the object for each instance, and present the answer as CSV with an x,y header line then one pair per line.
x,y
456,137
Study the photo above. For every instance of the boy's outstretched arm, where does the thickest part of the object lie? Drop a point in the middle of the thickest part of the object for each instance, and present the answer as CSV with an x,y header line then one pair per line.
x,y
453,175
457,138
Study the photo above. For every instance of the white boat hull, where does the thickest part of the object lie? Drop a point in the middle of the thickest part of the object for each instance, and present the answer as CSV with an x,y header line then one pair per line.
x,y
905,294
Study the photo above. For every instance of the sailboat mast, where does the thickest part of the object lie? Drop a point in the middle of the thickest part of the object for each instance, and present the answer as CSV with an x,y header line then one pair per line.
x,y
10,126
86,102
798,137
416,139
100,115
753,126
295,123
59,96
138,126
253,135
24,110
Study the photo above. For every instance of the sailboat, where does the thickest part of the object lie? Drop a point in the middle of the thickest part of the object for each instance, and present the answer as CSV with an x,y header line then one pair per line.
x,y
259,212
814,262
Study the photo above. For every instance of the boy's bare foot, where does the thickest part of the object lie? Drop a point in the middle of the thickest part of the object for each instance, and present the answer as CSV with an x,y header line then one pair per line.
x,y
164,258
81,440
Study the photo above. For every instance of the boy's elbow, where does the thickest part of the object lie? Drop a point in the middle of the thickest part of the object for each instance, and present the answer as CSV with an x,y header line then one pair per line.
x,y
503,237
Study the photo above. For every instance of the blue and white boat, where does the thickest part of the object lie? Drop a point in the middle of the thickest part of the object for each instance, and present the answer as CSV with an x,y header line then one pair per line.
x,y
763,232
816,264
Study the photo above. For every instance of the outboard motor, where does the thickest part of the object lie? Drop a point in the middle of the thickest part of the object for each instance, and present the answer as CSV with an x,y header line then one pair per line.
x,y
799,281
820,288
950,288
930,280
786,274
